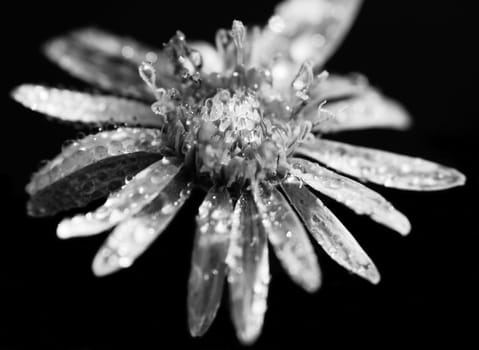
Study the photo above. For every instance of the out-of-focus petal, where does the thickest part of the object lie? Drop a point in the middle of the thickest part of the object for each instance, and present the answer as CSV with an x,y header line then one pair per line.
x,y
303,30
350,193
90,168
351,103
212,61
129,200
335,87
248,275
329,232
74,106
384,168
208,264
134,235
106,60
288,237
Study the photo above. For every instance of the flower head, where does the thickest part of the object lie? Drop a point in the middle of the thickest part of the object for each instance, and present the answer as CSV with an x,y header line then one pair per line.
x,y
245,122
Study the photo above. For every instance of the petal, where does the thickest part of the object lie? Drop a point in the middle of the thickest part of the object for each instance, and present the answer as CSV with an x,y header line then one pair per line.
x,y
133,236
350,193
329,232
91,168
73,106
384,168
143,188
212,61
353,104
336,87
248,275
370,110
303,30
208,267
105,60
288,238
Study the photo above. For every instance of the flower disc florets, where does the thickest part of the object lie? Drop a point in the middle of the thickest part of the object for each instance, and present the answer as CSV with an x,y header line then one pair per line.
x,y
233,125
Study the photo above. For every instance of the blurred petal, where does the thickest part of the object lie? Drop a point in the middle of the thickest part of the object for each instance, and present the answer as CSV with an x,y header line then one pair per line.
x,y
370,110
288,238
133,236
384,168
91,168
336,87
329,232
129,200
208,265
73,106
248,275
353,104
350,193
303,30
212,61
106,60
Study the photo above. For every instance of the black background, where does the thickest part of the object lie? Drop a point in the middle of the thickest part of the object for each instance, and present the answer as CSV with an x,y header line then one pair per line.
x,y
419,52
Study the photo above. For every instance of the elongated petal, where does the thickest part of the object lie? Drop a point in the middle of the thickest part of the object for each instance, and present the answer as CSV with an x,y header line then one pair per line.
x,y
208,264
384,168
134,235
91,168
248,275
353,104
303,30
336,87
143,188
350,193
329,232
288,237
370,110
73,106
106,60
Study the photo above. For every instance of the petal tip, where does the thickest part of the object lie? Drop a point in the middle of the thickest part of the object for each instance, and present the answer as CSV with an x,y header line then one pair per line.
x,y
64,229
372,274
249,335
107,262
313,283
404,227
198,327
16,93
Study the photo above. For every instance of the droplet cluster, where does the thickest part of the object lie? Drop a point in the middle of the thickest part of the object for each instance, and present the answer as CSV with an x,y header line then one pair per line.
x,y
92,149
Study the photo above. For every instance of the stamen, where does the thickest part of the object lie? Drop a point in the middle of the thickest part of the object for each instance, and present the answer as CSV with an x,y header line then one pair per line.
x,y
238,33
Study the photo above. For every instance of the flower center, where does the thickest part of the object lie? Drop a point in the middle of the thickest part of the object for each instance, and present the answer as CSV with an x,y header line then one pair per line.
x,y
237,117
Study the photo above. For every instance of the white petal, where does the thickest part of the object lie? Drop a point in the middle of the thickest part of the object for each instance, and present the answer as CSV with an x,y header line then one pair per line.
x,y
288,238
336,87
133,236
91,168
329,232
370,110
73,106
129,200
106,60
350,193
303,30
212,61
208,264
353,104
248,275
384,168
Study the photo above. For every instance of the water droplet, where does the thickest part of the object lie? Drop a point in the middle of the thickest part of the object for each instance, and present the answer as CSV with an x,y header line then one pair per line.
x,y
304,78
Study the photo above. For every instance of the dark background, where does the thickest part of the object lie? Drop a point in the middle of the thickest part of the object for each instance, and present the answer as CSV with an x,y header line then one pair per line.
x,y
419,52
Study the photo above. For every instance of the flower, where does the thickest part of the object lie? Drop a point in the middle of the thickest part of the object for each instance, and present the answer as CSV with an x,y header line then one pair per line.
x,y
244,122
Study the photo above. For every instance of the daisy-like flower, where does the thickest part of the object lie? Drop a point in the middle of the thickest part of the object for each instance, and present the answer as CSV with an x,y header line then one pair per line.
x,y
244,121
